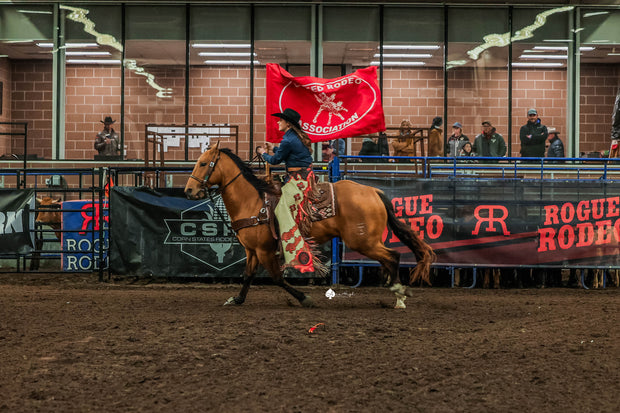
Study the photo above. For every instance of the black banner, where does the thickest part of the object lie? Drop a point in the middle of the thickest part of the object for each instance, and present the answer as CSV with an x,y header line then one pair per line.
x,y
16,221
508,222
164,234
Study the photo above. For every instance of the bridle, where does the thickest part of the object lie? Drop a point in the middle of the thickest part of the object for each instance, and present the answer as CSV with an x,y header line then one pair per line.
x,y
204,185
211,166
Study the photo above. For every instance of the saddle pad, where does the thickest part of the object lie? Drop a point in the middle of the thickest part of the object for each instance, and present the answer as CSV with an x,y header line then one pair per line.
x,y
323,201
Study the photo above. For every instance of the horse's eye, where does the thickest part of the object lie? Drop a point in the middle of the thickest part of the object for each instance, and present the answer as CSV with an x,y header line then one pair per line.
x,y
203,164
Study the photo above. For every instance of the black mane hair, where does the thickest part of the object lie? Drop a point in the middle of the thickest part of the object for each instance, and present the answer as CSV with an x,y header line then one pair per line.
x,y
261,185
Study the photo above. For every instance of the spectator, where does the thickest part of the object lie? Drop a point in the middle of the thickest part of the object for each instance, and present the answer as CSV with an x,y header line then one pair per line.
x,y
456,140
533,136
106,142
467,149
338,147
614,151
370,148
489,143
382,143
327,152
435,138
556,147
403,144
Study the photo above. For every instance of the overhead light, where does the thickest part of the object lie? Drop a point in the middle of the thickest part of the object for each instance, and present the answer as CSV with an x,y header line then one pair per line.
x,y
68,45
595,13
39,11
221,46
582,48
406,55
4,55
94,61
543,56
230,62
599,41
398,63
558,40
225,54
409,47
537,64
102,53
613,54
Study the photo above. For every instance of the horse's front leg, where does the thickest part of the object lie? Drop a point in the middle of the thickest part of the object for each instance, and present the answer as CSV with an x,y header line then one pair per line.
x,y
248,276
272,265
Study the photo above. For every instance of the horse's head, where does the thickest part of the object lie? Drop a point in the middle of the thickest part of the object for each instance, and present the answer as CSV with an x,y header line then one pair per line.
x,y
203,176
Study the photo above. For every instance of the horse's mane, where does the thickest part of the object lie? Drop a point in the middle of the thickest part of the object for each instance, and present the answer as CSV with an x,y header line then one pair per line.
x,y
261,185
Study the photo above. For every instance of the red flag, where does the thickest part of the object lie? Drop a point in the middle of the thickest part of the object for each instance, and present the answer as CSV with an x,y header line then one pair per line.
x,y
330,108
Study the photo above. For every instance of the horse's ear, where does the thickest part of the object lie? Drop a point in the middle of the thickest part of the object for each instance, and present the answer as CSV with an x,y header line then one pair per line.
x,y
217,145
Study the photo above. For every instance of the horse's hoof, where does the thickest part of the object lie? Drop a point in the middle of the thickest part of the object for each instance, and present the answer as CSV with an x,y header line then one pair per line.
x,y
232,301
307,302
400,301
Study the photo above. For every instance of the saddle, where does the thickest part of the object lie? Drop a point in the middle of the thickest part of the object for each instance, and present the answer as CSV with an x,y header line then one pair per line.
x,y
322,206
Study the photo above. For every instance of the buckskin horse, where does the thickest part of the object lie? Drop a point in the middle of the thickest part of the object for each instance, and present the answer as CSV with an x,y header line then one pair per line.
x,y
361,217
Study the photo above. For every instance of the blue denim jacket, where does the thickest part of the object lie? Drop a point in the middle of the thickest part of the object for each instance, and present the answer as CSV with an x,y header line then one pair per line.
x,y
291,151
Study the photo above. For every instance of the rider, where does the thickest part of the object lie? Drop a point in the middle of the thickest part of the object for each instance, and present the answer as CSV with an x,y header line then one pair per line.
x,y
296,153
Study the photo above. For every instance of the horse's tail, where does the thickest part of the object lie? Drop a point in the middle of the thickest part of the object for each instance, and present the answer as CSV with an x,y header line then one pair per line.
x,y
423,252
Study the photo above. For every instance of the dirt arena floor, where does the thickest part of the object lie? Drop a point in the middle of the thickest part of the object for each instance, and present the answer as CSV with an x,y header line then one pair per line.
x,y
72,344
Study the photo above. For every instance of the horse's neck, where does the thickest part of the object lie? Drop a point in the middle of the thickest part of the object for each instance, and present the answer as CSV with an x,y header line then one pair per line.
x,y
240,196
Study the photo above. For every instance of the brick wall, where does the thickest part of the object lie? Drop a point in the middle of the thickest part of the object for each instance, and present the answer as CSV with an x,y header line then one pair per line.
x,y
599,84
5,79
220,95
31,101
545,90
92,93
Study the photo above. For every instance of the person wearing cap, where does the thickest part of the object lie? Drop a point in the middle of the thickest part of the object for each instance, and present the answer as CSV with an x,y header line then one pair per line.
x,y
489,143
556,147
456,140
435,137
533,136
296,153
107,142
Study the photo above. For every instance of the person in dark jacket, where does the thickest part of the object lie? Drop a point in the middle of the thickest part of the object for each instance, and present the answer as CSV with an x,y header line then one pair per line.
x,y
107,142
296,152
370,148
533,136
489,143
556,147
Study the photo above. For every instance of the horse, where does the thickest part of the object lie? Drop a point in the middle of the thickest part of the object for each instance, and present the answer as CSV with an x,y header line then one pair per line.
x,y
361,217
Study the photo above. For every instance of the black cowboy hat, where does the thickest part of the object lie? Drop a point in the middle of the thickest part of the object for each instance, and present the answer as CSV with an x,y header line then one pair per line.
x,y
290,116
108,119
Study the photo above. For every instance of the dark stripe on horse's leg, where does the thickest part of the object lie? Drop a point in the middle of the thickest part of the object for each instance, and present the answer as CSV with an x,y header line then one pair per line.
x,y
247,282
248,277
304,300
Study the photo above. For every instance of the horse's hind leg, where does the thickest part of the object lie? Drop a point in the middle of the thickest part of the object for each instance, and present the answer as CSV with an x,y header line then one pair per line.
x,y
389,260
248,276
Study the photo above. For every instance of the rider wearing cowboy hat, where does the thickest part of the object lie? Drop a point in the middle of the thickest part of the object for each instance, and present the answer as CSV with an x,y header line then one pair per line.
x,y
296,153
